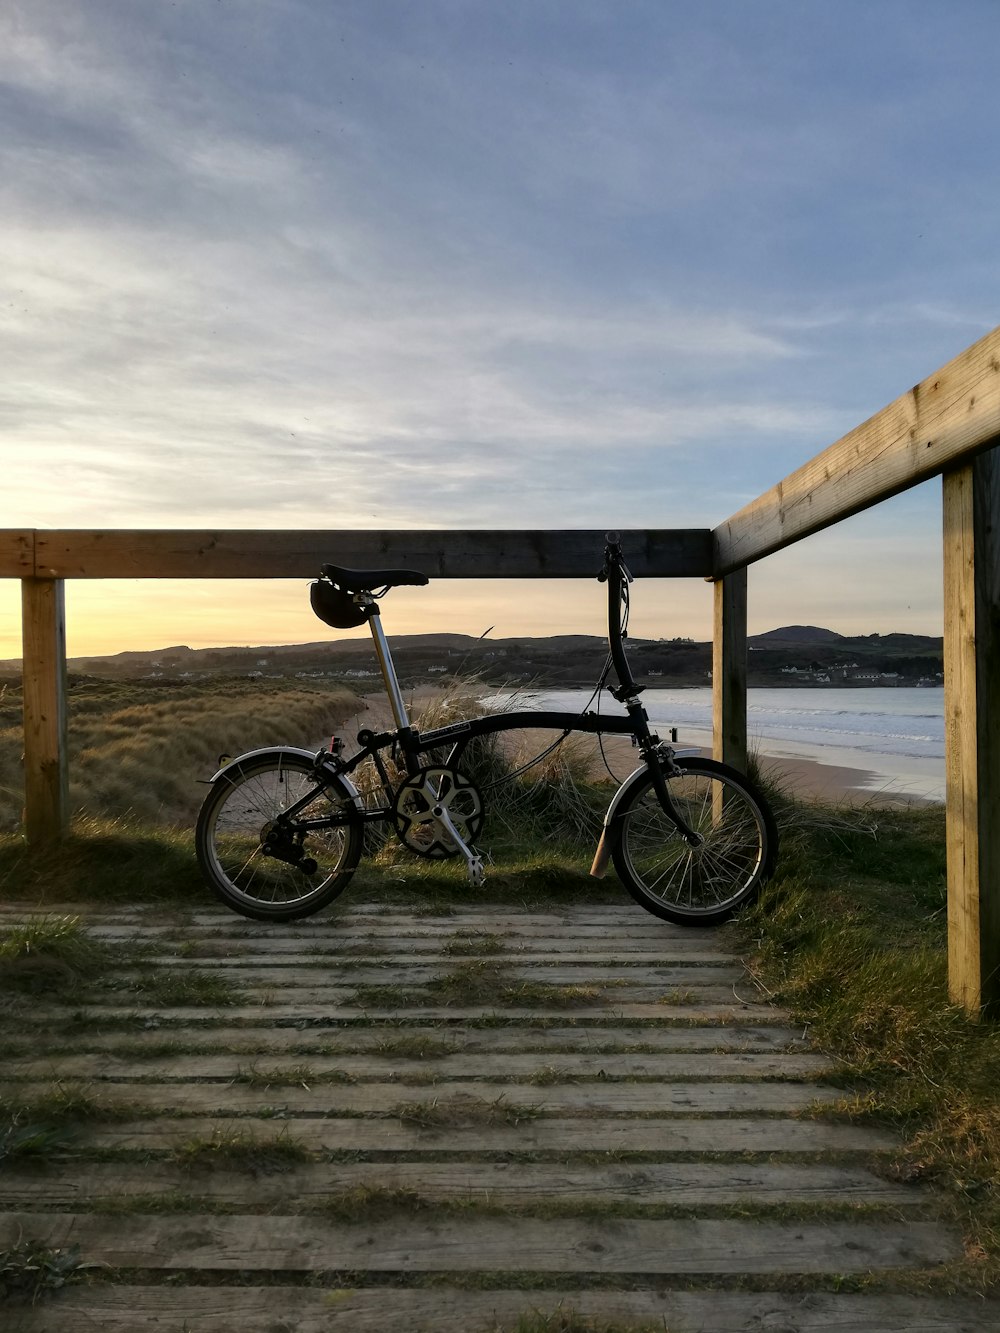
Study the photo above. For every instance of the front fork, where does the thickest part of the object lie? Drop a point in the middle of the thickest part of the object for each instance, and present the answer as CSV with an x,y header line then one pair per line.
x,y
661,764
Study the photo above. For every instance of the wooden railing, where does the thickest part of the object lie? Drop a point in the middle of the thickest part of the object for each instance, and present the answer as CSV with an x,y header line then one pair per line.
x,y
947,425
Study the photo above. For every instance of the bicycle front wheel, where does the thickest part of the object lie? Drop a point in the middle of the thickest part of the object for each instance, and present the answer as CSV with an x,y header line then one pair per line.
x,y
301,869
705,884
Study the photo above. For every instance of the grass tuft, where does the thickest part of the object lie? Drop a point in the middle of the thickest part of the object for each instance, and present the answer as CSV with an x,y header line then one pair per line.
x,y
35,1129
371,1203
234,1149
51,955
30,1270
463,1112
565,1320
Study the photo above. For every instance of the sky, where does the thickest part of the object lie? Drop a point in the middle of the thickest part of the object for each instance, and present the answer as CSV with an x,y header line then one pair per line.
x,y
463,263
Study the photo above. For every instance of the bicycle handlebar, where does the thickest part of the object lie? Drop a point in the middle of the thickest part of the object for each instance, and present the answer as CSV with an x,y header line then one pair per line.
x,y
616,574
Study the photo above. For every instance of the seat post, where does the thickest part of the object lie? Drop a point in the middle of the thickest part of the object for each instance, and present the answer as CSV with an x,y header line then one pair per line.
x,y
388,670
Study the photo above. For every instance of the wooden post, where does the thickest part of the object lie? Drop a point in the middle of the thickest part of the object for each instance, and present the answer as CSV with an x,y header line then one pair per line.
x,y
971,497
729,670
46,782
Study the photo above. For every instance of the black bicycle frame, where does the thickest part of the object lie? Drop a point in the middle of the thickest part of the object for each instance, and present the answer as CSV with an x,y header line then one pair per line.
x,y
411,743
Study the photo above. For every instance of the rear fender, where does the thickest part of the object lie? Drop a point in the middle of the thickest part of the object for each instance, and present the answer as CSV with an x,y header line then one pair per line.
x,y
236,766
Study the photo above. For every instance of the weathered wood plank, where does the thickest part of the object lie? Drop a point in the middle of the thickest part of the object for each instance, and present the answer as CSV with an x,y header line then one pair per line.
x,y
308,1012
729,670
46,774
618,922
127,1309
971,512
389,943
684,1184
585,1134
468,1099
296,953
304,1244
481,554
674,1065
17,553
144,1043
936,425
350,972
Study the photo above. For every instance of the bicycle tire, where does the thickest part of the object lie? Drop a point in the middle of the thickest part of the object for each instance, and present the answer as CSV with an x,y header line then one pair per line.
x,y
704,885
243,802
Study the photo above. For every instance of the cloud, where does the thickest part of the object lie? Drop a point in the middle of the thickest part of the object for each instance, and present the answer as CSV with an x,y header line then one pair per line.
x,y
288,264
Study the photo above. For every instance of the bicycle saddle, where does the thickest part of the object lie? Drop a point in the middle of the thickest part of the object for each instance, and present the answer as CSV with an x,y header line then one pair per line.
x,y
367,580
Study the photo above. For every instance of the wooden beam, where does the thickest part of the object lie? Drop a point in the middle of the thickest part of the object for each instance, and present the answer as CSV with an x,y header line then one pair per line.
x,y
17,553
972,734
46,781
298,554
940,422
729,671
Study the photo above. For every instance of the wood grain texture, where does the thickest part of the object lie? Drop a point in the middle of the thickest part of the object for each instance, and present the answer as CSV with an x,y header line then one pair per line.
x,y
142,1043
682,1184
46,774
947,417
465,554
729,671
17,553
971,521
588,1134
496,1064
245,1309
467,1103
616,1245
511,1149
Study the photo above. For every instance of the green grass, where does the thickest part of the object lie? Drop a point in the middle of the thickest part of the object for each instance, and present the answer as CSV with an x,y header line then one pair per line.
x,y
177,986
105,860
851,936
289,1076
234,1149
56,958
479,981
52,955
461,1111
472,943
566,1320
30,1270
34,1129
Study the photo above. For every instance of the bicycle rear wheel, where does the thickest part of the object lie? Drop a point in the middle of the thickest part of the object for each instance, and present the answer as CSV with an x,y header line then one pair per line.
x,y
706,884
311,867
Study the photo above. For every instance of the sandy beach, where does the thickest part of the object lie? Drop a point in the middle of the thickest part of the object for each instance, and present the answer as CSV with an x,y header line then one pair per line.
x,y
803,778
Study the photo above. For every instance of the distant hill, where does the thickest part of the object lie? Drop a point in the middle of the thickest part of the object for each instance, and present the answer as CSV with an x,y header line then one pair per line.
x,y
790,655
796,634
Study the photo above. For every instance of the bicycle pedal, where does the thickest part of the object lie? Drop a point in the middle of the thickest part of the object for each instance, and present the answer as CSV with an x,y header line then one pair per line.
x,y
476,871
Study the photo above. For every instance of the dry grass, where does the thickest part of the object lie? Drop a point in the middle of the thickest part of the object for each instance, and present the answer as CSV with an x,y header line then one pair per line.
x,y
463,1112
141,749
851,935
235,1149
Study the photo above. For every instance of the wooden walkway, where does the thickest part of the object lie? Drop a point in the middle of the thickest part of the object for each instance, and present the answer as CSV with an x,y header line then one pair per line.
x,y
443,1122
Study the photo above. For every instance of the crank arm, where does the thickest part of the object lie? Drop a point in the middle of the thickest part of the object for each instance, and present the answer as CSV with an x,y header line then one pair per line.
x,y
473,861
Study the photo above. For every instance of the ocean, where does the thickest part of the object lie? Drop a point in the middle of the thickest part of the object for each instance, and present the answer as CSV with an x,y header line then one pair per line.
x,y
894,738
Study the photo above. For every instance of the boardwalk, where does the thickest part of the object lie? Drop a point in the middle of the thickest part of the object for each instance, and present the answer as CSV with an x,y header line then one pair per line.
x,y
406,1121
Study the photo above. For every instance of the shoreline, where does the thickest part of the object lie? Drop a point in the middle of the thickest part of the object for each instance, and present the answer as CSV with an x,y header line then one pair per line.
x,y
801,777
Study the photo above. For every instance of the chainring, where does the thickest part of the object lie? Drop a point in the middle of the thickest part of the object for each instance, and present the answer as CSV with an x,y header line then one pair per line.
x,y
431,789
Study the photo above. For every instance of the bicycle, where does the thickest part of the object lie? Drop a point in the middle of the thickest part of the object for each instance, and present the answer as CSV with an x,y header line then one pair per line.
x,y
282,830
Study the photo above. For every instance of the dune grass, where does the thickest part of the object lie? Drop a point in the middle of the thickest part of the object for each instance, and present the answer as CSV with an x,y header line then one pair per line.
x,y
139,750
852,936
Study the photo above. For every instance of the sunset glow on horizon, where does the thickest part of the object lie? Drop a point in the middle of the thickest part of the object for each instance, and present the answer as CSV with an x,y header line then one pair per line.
x,y
292,264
